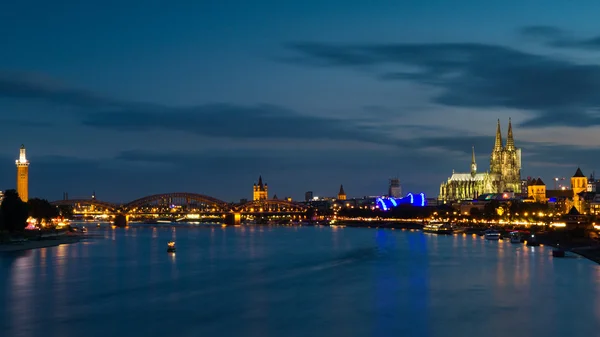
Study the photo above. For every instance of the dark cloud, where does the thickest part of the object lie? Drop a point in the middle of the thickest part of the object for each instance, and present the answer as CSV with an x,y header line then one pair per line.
x,y
210,120
23,123
234,121
44,89
541,32
556,37
477,76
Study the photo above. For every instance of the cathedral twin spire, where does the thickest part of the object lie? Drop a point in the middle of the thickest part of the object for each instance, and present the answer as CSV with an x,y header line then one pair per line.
x,y
510,142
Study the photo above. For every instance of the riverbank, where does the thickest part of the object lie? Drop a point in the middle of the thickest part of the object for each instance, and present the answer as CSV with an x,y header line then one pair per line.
x,y
35,244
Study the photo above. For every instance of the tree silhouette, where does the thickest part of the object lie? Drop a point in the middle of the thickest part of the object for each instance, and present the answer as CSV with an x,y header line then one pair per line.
x,y
66,211
41,209
13,212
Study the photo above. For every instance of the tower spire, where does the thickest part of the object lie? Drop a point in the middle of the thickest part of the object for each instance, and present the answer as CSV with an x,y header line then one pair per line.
x,y
510,142
473,163
342,193
498,143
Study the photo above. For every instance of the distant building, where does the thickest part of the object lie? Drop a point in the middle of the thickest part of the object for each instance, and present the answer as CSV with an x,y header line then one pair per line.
x,y
308,196
579,184
593,184
1,196
536,190
23,175
260,191
395,190
524,184
341,193
504,174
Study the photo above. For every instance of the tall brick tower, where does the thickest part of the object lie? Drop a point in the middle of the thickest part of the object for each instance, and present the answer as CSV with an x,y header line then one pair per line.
x,y
23,175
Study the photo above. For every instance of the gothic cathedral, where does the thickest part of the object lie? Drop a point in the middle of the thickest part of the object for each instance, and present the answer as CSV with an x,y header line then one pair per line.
x,y
504,174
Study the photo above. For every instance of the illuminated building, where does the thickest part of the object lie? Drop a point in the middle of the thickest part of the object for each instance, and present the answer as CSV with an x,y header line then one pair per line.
x,y
23,175
260,190
579,184
410,199
341,193
536,190
504,174
395,190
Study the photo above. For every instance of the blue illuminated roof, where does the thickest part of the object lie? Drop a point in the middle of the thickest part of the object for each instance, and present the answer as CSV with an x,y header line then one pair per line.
x,y
410,199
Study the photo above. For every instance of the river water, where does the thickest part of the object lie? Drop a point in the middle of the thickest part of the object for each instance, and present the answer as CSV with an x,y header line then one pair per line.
x,y
295,281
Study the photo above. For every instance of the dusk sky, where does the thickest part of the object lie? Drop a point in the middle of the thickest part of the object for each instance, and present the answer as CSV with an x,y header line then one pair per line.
x,y
130,98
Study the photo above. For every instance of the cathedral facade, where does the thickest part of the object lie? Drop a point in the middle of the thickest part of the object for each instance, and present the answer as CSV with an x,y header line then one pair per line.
x,y
504,174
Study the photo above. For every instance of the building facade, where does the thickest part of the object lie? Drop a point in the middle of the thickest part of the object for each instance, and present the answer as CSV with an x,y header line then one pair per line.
x,y
504,174
536,190
579,184
260,191
395,190
23,175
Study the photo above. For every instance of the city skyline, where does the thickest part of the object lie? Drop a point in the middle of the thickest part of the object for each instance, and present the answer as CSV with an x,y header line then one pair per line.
x,y
206,97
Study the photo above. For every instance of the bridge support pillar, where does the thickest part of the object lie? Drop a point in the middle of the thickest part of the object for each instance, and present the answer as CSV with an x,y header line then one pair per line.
x,y
233,219
120,220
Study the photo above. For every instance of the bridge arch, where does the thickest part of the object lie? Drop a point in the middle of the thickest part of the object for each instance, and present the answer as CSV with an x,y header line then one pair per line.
x,y
92,202
158,198
271,206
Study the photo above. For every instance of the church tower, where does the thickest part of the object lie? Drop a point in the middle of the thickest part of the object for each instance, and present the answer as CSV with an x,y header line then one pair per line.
x,y
578,184
341,193
496,157
260,191
23,175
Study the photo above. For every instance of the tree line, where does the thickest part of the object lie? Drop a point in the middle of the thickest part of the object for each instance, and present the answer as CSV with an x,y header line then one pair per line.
x,y
14,212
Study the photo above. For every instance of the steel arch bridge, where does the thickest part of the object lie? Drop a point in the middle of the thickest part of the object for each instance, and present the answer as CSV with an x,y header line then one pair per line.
x,y
175,199
182,205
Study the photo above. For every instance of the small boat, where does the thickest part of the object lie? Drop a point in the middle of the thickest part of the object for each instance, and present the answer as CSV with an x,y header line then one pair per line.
x,y
438,228
83,229
492,235
171,247
515,237
532,241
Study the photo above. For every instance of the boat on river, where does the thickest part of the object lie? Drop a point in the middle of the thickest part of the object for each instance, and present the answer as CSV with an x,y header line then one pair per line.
x,y
532,241
171,247
515,237
438,228
492,235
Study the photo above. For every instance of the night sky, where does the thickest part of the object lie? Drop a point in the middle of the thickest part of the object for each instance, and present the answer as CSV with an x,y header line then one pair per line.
x,y
130,98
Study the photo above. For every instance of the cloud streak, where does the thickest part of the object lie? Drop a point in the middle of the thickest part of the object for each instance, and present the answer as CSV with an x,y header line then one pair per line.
x,y
476,76
556,37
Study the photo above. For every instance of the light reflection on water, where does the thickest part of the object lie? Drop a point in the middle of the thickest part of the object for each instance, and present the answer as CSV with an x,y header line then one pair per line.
x,y
295,281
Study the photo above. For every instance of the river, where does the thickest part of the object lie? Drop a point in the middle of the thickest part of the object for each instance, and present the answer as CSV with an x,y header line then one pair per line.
x,y
295,281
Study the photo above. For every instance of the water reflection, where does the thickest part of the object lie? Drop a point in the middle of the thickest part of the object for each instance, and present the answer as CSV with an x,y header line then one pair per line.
x,y
279,281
